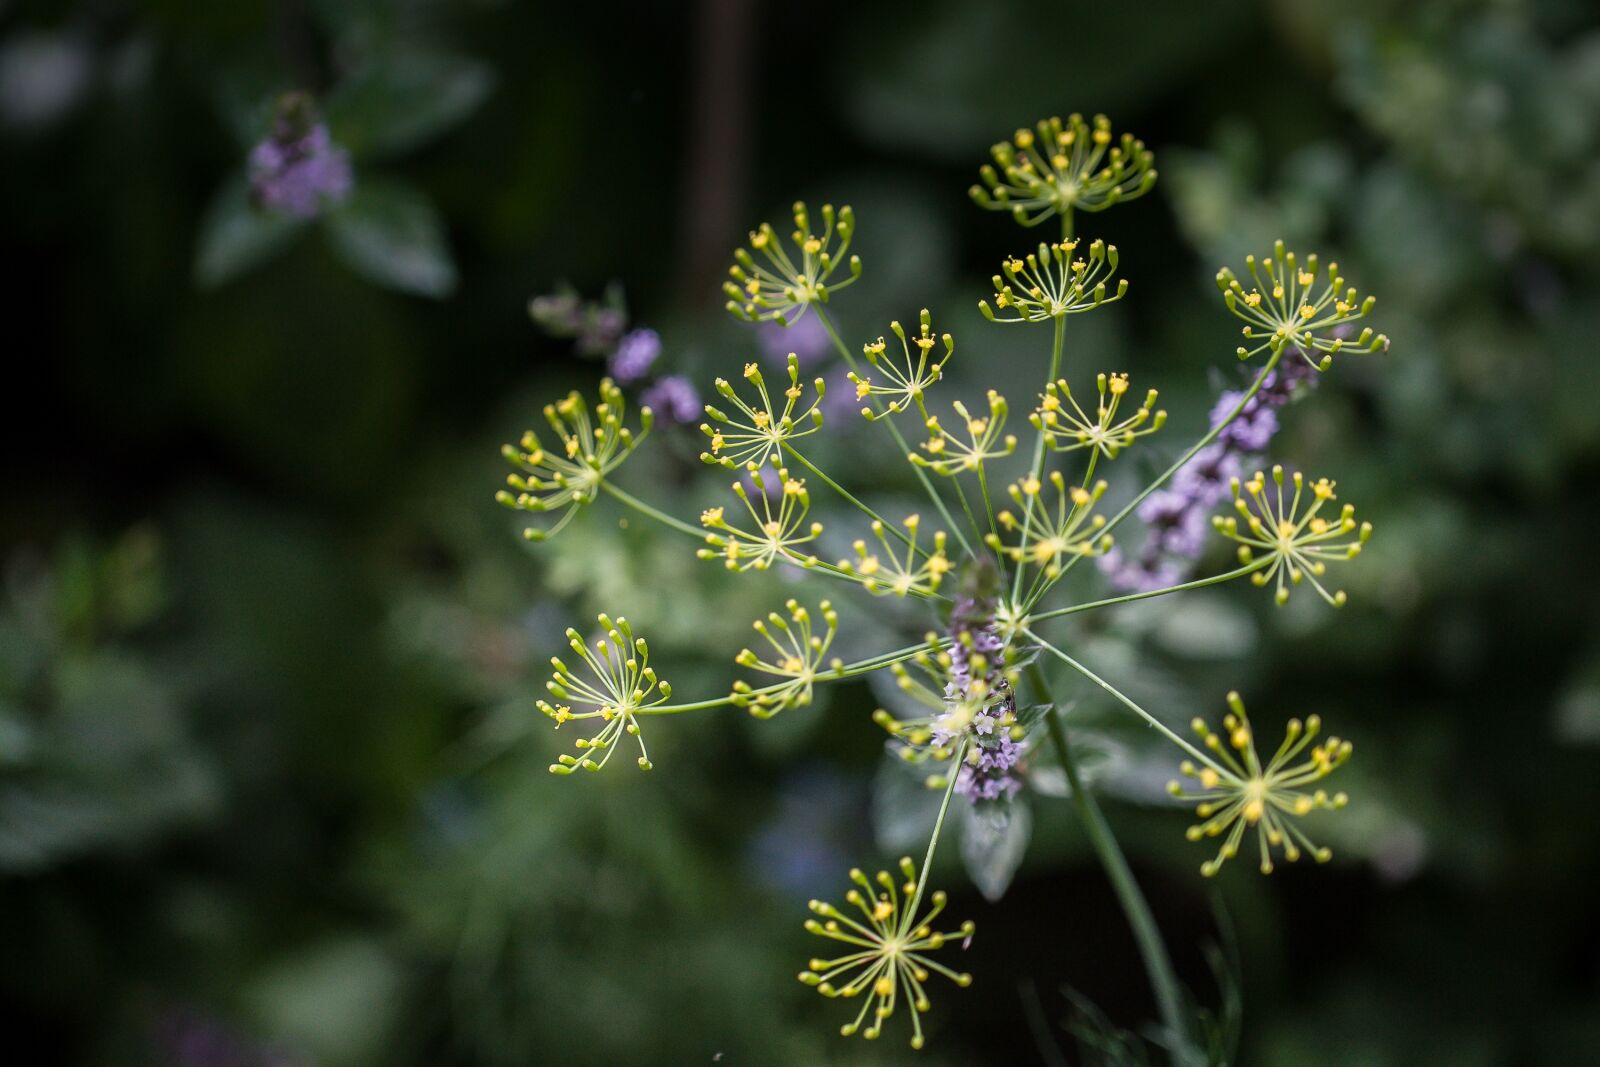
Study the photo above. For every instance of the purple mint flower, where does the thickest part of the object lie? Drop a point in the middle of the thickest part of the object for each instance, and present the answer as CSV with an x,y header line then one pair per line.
x,y
839,403
298,174
993,776
1207,477
635,354
807,339
673,399
1144,574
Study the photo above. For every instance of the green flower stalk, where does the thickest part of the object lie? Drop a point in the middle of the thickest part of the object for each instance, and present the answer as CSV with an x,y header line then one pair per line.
x,y
1050,536
1238,793
1294,544
623,685
980,439
1060,167
904,571
780,286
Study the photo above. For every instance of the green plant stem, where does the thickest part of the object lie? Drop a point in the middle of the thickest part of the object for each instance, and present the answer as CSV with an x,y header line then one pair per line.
x,y
1146,934
905,449
1200,583
660,516
933,842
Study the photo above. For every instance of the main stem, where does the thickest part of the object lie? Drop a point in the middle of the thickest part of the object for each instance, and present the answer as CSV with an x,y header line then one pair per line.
x,y
933,842
1152,949
1037,467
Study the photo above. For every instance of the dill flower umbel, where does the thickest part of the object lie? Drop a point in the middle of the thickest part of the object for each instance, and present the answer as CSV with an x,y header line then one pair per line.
x,y
1238,793
886,954
1066,427
1057,167
624,685
756,433
798,654
780,287
883,571
907,382
1284,307
950,454
1048,539
1054,282
1297,543
778,529
592,446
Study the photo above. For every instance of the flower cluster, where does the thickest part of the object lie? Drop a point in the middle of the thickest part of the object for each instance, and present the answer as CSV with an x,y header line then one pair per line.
x,y
297,171
960,719
1285,307
1053,282
1058,167
885,952
780,287
624,685
592,445
1238,793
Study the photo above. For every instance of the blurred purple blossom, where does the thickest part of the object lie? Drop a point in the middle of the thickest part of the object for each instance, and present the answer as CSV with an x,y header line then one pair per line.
x,y
298,174
807,339
636,353
673,399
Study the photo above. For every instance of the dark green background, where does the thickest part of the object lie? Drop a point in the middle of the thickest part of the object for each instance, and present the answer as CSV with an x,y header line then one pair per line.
x,y
268,763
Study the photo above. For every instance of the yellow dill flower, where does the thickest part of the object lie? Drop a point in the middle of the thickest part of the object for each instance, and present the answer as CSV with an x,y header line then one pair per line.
x,y
983,440
1067,427
756,433
592,445
1298,542
1285,306
882,571
1050,536
624,684
1237,793
885,955
907,383
780,287
798,654
1054,281
779,526
1057,167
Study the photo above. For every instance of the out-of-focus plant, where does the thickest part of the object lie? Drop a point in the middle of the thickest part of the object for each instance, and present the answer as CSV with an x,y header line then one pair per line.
x,y
318,162
981,680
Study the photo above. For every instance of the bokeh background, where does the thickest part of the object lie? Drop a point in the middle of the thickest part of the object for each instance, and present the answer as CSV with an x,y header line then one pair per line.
x,y
272,790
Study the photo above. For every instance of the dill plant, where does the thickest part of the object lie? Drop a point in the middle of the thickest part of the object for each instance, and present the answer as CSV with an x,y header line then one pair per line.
x,y
1009,521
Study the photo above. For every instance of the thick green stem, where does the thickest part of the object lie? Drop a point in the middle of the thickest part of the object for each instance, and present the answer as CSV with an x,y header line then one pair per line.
x,y
1036,468
1146,934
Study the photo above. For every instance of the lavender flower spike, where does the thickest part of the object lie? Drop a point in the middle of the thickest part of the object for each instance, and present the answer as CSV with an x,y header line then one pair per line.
x,y
635,354
673,399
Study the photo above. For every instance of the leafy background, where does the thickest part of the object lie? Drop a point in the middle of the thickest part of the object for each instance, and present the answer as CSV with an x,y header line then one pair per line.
x,y
271,791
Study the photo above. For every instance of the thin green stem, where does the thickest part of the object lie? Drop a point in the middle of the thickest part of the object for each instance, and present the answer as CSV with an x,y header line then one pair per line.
x,y
905,449
1146,934
1160,726
1200,583
933,842
660,516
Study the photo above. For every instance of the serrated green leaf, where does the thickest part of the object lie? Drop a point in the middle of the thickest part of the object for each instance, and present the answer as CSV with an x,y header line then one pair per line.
x,y
391,233
235,235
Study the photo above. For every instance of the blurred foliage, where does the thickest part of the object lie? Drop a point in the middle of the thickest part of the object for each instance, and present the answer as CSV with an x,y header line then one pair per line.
x,y
271,786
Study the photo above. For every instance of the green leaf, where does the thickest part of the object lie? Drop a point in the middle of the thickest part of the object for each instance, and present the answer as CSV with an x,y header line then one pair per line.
x,y
994,838
390,233
400,101
235,235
